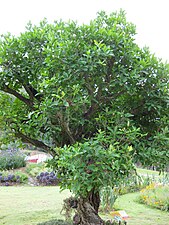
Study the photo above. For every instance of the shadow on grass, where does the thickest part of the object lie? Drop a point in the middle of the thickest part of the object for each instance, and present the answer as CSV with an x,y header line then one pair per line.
x,y
55,222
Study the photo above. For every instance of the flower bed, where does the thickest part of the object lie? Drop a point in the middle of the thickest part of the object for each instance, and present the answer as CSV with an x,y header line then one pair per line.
x,y
156,196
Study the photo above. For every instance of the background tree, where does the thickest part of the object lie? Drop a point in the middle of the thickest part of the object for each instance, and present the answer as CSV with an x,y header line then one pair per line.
x,y
89,88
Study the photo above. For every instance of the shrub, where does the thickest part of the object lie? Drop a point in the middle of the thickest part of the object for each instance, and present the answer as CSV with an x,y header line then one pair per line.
x,y
47,178
156,196
9,179
23,176
132,184
108,197
11,159
34,169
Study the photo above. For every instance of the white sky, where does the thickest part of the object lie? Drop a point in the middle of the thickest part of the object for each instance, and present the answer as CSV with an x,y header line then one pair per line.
x,y
151,17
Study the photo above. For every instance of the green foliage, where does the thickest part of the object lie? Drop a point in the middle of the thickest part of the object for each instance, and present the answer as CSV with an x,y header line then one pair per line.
x,y
11,159
156,196
102,161
88,95
13,178
34,169
155,150
58,79
23,176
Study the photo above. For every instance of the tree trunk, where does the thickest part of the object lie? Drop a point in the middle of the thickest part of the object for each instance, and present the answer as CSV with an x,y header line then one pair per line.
x,y
87,210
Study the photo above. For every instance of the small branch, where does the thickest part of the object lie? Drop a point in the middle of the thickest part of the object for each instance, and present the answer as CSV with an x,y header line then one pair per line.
x,y
113,96
92,109
94,104
32,92
65,127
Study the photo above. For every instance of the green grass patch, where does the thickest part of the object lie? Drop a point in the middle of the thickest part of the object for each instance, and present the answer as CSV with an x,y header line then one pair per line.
x,y
140,214
33,205
149,172
30,205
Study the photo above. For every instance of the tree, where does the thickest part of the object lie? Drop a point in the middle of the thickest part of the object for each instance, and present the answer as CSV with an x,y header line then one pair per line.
x,y
88,95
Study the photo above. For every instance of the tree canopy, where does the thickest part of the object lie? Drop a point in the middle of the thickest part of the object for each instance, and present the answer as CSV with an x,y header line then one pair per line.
x,y
60,83
90,96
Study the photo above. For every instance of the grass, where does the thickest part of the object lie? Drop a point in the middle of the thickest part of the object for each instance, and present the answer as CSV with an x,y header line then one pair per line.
x,y
32,205
141,171
140,214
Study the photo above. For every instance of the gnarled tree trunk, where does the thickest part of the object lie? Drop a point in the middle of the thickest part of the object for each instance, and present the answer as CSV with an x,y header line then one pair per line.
x,y
87,210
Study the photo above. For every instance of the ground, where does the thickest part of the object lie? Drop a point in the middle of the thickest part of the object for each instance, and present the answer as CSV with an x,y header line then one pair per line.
x,y
30,205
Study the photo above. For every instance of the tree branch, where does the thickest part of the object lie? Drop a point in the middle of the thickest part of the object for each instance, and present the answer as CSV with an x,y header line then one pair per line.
x,y
92,109
32,92
113,96
65,127
35,142
27,101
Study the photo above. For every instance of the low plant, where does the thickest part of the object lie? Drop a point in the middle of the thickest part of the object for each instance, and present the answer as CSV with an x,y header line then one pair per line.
x,y
9,179
11,159
23,176
108,198
33,169
156,196
47,178
132,184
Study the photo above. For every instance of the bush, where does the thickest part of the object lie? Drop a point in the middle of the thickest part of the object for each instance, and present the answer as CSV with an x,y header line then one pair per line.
x,y
47,178
11,159
34,169
156,196
132,184
9,179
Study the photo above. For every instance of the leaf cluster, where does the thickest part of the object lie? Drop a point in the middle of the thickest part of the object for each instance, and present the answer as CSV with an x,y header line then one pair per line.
x,y
104,160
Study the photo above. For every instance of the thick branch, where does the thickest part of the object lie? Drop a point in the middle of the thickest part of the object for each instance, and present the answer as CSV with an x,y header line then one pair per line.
x,y
32,92
65,127
27,101
35,142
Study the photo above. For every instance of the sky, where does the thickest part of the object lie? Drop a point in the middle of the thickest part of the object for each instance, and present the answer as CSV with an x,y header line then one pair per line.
x,y
151,17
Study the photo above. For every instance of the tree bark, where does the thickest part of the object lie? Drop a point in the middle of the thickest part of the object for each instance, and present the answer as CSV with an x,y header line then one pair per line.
x,y
87,210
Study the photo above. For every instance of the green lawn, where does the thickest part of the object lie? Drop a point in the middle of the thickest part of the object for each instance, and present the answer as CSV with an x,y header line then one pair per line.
x,y
149,172
140,214
30,205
